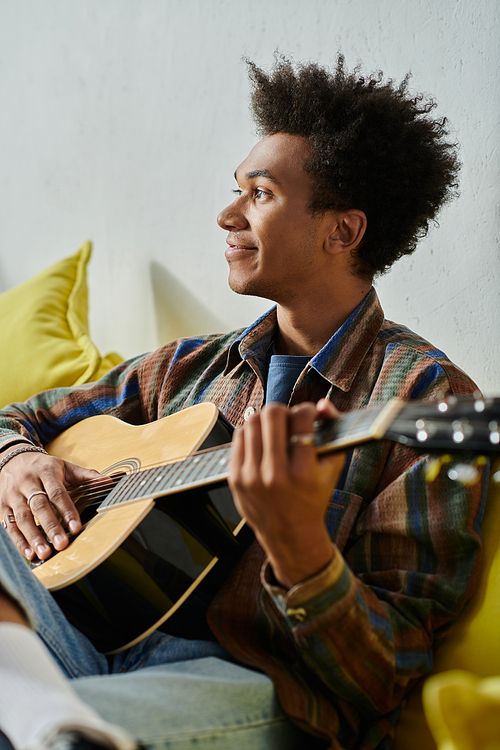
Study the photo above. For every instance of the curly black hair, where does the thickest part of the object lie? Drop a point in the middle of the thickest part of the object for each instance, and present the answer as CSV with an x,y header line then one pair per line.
x,y
374,147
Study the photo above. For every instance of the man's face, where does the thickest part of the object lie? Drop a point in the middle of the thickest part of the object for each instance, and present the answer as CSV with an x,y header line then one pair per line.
x,y
275,245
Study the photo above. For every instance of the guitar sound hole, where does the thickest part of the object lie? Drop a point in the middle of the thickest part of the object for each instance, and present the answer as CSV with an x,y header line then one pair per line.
x,y
88,501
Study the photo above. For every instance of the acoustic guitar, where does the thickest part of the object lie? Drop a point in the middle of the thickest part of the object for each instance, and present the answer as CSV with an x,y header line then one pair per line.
x,y
161,531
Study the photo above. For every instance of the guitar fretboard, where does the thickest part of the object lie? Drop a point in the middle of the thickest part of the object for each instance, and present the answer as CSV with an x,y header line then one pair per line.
x,y
203,468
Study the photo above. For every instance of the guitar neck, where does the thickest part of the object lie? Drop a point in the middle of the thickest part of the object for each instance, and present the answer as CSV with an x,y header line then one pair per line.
x,y
212,465
466,424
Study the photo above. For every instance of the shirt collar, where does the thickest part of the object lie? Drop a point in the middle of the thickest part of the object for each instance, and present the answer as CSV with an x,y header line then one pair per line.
x,y
253,343
338,361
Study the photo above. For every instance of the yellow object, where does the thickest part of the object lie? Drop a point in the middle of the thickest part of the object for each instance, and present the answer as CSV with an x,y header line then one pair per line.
x,y
44,334
472,643
463,711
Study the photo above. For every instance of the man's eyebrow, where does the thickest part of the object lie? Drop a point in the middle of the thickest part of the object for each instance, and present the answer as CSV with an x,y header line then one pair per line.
x,y
259,173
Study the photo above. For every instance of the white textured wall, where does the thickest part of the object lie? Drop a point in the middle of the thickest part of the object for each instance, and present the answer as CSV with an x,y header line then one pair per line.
x,y
122,121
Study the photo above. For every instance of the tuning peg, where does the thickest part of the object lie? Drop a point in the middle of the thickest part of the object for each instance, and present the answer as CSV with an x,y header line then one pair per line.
x,y
445,403
424,430
479,402
462,430
494,432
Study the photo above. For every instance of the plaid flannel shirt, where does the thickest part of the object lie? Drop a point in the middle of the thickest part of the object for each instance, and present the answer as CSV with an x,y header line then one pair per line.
x,y
343,647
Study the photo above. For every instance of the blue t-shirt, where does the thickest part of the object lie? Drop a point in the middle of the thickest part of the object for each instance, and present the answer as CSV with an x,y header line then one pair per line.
x,y
282,374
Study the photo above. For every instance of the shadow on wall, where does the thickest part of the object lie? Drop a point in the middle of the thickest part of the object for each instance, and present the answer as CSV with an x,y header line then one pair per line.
x,y
3,288
178,312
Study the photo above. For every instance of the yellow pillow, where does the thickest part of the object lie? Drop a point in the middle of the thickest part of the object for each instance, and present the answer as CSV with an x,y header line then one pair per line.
x,y
463,711
44,334
473,642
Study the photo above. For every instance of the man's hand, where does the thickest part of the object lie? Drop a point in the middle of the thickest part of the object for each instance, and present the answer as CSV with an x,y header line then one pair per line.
x,y
283,488
49,478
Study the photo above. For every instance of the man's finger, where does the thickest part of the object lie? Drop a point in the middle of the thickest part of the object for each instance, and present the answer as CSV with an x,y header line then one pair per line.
x,y
326,410
11,527
75,475
252,436
46,507
27,527
274,443
301,431
237,454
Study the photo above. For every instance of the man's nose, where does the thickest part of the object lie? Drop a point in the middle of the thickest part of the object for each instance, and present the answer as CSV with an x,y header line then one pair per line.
x,y
232,217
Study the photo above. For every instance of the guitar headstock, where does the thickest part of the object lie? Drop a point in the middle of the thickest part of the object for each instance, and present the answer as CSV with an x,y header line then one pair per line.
x,y
469,424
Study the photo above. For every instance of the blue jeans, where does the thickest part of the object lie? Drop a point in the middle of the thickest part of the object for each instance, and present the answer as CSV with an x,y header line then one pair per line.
x,y
167,692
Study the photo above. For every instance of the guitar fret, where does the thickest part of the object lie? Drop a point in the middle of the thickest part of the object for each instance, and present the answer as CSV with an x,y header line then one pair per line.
x,y
198,464
127,489
357,421
148,482
170,476
222,463
212,461
164,476
200,467
167,476
132,487
183,470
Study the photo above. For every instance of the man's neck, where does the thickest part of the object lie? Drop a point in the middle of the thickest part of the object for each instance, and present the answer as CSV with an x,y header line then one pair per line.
x,y
305,328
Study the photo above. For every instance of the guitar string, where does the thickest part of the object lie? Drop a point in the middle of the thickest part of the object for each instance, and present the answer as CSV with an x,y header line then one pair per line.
x,y
98,485
86,489
95,488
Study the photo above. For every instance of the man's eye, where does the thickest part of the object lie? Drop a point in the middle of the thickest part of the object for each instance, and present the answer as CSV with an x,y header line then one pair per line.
x,y
257,192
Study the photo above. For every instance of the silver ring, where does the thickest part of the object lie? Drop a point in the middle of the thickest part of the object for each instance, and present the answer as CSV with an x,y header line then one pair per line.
x,y
4,524
11,518
38,492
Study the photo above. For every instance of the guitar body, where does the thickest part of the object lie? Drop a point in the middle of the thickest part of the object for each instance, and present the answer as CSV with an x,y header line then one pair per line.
x,y
151,562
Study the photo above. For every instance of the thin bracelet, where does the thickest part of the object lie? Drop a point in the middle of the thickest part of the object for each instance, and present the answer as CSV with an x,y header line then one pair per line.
x,y
21,449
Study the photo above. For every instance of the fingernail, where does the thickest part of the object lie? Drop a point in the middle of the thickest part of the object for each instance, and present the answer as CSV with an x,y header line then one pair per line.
x,y
73,526
58,540
41,548
28,552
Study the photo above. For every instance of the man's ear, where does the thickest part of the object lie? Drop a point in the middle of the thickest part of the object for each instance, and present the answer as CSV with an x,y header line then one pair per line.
x,y
347,231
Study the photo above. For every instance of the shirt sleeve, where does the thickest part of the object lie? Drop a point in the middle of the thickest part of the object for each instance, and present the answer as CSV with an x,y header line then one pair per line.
x,y
367,623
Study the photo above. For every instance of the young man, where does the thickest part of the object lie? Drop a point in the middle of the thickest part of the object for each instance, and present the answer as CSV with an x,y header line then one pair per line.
x,y
335,608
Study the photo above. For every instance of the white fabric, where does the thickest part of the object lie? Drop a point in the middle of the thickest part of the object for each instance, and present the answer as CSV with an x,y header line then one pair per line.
x,y
37,700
